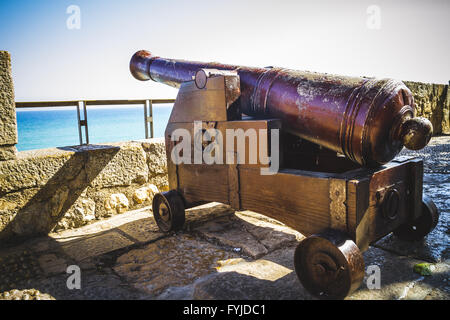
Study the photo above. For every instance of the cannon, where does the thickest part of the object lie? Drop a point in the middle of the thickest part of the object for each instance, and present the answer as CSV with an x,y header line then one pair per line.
x,y
332,173
368,120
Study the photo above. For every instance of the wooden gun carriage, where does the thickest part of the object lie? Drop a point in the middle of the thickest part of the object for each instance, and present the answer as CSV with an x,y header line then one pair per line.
x,y
340,206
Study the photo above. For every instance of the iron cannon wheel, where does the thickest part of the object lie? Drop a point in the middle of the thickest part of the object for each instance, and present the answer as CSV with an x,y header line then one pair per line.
x,y
422,225
168,210
329,265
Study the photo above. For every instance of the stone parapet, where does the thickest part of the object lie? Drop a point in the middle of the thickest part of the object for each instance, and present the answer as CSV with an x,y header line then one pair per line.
x,y
8,126
61,188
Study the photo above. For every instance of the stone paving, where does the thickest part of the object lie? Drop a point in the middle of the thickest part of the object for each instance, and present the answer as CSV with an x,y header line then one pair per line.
x,y
220,254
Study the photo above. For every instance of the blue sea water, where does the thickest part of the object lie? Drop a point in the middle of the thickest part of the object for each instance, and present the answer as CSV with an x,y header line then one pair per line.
x,y
57,127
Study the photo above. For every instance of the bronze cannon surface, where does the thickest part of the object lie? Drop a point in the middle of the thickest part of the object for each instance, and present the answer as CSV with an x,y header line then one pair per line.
x,y
368,120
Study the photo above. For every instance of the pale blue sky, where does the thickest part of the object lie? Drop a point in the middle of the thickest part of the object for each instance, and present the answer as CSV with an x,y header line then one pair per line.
x,y
51,62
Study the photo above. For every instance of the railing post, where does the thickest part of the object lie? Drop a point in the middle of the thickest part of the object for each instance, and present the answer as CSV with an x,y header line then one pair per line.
x,y
79,123
86,122
145,118
82,122
148,118
151,118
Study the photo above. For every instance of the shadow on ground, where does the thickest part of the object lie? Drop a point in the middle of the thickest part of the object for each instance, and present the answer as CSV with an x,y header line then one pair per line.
x,y
220,255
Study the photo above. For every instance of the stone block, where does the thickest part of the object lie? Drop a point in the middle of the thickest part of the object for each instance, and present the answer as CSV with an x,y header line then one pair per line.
x,y
117,203
35,168
7,152
81,213
8,124
156,156
126,165
432,102
145,193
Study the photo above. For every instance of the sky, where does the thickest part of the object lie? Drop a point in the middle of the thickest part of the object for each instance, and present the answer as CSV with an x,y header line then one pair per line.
x,y
402,39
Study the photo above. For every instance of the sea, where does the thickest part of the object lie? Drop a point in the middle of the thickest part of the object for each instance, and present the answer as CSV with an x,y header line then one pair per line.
x,y
40,128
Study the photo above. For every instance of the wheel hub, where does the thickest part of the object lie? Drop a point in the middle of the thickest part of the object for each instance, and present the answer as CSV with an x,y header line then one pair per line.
x,y
164,212
328,270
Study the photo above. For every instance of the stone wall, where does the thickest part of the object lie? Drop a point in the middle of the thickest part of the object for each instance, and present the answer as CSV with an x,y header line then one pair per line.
x,y
8,127
433,102
60,188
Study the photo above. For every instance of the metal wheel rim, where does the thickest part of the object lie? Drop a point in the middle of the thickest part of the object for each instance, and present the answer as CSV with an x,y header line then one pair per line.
x,y
327,273
164,221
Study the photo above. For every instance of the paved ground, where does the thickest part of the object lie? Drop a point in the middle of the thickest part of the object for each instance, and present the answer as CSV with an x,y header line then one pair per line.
x,y
221,254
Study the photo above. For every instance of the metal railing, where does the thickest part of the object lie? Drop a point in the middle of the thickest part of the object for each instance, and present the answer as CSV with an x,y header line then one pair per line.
x,y
82,104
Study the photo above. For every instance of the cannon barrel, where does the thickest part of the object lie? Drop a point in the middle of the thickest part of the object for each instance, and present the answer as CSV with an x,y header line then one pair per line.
x,y
368,120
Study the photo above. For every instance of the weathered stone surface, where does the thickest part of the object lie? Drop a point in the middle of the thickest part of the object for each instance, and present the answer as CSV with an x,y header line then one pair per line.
x,y
81,213
142,230
95,246
157,162
52,264
269,232
11,203
156,156
269,278
188,266
57,176
56,201
145,193
117,164
95,285
432,102
261,269
117,203
436,155
8,127
161,181
253,234
35,168
126,166
140,195
27,294
399,281
7,153
118,221
42,263
228,231
174,261
197,216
